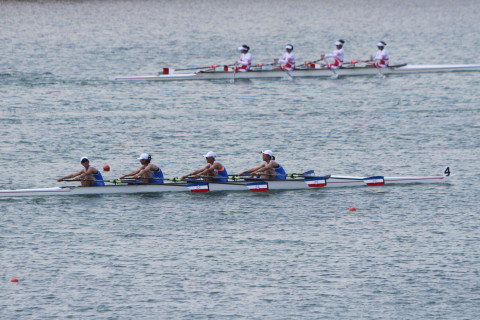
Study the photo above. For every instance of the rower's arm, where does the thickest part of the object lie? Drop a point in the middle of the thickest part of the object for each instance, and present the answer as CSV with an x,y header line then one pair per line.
x,y
195,172
70,175
251,170
209,169
262,168
149,167
90,170
271,165
131,173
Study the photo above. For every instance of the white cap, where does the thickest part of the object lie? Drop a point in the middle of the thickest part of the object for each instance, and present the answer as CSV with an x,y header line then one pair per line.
x,y
289,47
339,43
83,158
243,47
381,44
210,154
268,152
144,156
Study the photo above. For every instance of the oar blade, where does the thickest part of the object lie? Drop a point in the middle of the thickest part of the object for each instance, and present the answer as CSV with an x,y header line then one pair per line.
x,y
309,173
374,181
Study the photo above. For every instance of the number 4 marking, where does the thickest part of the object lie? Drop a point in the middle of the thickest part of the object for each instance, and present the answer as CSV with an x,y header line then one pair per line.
x,y
447,171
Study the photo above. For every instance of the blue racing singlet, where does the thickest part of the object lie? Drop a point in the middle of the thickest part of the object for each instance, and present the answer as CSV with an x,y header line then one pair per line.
x,y
157,176
280,172
97,176
222,175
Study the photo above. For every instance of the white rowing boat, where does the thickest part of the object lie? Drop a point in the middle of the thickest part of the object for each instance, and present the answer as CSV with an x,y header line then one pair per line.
x,y
254,185
315,71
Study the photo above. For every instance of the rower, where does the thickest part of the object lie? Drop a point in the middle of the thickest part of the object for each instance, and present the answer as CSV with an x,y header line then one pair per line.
x,y
270,168
288,60
148,172
381,59
88,176
338,55
245,61
214,171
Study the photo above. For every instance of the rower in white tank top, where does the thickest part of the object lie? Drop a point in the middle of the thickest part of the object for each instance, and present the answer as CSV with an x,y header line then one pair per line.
x,y
243,64
288,60
381,59
338,56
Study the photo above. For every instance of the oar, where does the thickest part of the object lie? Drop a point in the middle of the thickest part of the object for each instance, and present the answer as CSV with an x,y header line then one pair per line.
x,y
357,61
308,174
213,66
335,75
234,71
125,180
288,73
380,74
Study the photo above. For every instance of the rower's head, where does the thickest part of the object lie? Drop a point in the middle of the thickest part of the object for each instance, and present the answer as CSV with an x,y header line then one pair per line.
x,y
84,162
145,158
244,48
339,44
210,156
268,155
289,48
381,45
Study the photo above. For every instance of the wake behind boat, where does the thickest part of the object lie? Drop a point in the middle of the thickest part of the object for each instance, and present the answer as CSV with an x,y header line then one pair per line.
x,y
310,70
293,182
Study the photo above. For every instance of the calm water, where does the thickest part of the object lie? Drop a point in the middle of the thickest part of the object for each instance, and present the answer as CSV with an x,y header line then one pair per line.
x,y
408,252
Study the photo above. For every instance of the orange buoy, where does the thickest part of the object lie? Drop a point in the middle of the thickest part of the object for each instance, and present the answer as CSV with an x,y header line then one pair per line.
x,y
352,209
106,167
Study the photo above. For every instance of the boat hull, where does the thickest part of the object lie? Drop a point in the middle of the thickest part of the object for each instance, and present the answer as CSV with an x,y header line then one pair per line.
x,y
301,73
271,185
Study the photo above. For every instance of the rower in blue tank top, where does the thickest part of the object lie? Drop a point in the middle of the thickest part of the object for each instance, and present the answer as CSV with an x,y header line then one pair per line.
x,y
221,173
213,171
270,169
97,176
89,175
157,176
148,172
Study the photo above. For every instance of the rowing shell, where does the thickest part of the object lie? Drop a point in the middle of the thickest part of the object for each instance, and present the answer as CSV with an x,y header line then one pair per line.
x,y
202,187
211,74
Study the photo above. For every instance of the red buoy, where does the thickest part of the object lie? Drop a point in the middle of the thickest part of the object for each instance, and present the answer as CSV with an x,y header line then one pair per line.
x,y
14,280
352,209
106,167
